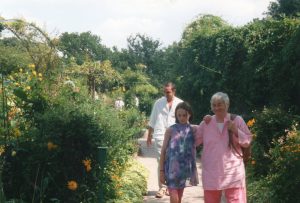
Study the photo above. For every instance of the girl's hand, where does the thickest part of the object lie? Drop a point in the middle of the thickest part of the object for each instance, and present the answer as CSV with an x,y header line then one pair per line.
x,y
162,177
207,119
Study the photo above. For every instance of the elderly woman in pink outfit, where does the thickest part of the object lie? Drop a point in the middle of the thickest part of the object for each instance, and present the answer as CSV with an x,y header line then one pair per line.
x,y
222,166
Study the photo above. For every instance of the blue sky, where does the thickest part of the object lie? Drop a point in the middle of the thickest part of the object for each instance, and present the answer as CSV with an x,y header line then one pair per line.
x,y
115,20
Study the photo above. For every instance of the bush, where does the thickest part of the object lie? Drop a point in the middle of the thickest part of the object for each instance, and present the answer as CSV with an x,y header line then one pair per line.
x,y
282,182
284,173
57,160
132,183
270,124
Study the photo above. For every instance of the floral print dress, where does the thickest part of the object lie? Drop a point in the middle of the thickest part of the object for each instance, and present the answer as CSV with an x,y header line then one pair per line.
x,y
180,163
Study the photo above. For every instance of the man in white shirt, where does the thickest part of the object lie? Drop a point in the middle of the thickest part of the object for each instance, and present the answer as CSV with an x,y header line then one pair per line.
x,y
162,117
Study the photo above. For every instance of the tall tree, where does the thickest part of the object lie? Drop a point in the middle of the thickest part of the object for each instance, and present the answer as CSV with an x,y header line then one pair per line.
x,y
81,47
143,50
38,45
290,8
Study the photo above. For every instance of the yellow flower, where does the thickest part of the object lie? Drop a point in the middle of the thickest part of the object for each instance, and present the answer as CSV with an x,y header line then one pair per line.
x,y
40,75
21,70
51,146
13,153
251,122
17,132
28,88
34,73
87,164
2,150
31,66
88,168
72,185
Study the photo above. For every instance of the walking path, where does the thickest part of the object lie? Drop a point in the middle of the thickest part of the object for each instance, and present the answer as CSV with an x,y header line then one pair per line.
x,y
148,159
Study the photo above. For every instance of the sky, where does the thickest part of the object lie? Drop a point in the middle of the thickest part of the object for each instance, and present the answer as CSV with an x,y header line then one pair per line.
x,y
115,20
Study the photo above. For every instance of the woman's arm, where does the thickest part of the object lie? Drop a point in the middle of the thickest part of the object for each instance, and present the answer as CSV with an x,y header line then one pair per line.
x,y
241,131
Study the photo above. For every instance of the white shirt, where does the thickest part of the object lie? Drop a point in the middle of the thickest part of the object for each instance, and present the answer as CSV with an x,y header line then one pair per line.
x,y
119,104
162,116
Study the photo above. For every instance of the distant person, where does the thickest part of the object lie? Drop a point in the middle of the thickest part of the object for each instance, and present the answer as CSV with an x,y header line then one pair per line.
x,y
162,117
178,154
137,101
119,103
223,168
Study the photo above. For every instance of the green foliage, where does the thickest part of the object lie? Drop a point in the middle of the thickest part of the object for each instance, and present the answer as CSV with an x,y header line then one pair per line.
x,y
13,56
133,183
203,25
82,46
270,124
281,8
277,186
61,145
254,64
262,186
138,84
143,49
38,45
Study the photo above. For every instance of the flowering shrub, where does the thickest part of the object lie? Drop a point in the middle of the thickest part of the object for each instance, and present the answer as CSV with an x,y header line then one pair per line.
x,y
283,179
131,185
269,124
284,174
275,164
55,158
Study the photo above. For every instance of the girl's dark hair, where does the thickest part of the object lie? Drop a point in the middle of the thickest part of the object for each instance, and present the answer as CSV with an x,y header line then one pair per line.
x,y
184,106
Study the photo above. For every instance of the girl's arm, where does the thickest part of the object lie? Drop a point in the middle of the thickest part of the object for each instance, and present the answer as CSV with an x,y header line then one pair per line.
x,y
163,156
198,133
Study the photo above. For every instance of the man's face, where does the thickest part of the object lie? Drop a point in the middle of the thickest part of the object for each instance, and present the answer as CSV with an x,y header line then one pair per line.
x,y
169,93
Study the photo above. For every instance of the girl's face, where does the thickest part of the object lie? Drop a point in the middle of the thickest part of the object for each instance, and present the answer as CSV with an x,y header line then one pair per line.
x,y
182,116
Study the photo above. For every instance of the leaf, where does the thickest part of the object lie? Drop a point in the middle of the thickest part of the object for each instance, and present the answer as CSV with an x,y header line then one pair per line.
x,y
19,92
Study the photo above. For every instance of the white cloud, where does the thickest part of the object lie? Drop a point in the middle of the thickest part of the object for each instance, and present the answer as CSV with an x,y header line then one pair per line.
x,y
115,20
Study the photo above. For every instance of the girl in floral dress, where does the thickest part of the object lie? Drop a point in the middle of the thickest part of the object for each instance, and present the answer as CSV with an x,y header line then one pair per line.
x,y
178,155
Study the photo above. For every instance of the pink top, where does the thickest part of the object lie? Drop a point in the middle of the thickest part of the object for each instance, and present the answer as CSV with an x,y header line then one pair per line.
x,y
222,168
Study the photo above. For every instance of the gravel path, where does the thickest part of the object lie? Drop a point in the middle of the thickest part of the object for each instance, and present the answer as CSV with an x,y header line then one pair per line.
x,y
147,158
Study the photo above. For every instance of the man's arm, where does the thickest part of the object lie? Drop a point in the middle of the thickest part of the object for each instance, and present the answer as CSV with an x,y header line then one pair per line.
x,y
149,136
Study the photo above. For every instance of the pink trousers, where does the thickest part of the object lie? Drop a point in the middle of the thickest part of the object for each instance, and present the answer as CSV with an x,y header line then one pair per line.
x,y
232,195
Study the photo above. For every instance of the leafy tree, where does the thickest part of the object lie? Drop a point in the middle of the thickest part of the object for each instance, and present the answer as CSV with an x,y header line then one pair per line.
x,y
81,47
38,45
138,84
203,25
143,50
289,8
121,59
13,55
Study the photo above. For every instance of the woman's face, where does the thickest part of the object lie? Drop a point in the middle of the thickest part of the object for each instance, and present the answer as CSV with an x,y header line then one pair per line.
x,y
219,107
182,116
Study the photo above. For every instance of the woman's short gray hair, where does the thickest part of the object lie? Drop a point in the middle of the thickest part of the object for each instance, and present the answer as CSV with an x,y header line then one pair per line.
x,y
220,96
